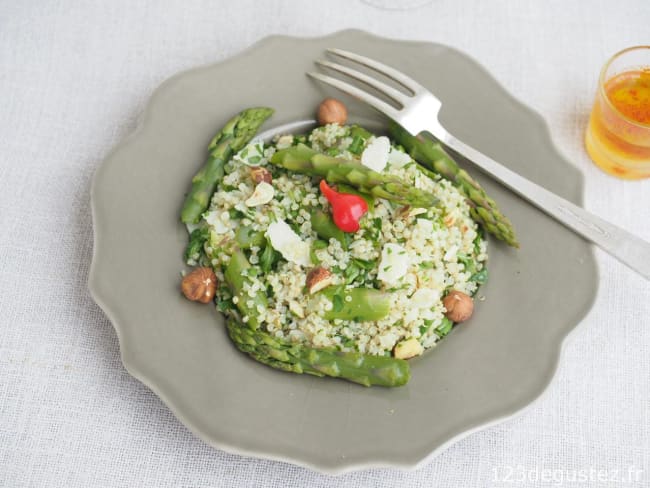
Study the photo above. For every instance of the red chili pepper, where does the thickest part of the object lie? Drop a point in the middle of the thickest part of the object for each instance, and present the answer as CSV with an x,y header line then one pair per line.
x,y
347,209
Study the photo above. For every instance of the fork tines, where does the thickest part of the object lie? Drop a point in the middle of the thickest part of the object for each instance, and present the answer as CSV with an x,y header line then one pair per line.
x,y
400,98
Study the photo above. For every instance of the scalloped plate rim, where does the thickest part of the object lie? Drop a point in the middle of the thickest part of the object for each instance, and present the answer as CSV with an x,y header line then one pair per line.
x,y
137,371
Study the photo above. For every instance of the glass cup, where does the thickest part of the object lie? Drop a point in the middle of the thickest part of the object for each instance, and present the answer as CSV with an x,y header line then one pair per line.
x,y
618,135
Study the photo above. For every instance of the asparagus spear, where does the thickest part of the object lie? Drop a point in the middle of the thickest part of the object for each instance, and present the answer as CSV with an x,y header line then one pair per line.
x,y
303,159
233,137
356,367
359,368
236,276
364,304
325,227
246,237
432,156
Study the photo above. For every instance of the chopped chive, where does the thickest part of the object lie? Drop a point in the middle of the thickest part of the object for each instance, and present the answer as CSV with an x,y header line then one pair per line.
x,y
356,146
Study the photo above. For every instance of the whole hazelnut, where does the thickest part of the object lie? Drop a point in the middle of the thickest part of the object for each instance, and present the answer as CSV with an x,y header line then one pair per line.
x,y
459,306
200,285
332,111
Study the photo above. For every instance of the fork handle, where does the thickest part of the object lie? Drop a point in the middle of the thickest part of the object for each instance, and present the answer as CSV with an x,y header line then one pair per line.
x,y
624,246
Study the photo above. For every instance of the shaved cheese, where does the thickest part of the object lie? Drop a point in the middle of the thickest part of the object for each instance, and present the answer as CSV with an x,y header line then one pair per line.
x,y
288,243
417,211
375,155
394,263
252,154
425,224
398,158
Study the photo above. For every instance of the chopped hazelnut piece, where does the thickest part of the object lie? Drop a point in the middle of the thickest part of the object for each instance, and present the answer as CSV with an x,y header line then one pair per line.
x,y
260,174
318,278
263,193
408,349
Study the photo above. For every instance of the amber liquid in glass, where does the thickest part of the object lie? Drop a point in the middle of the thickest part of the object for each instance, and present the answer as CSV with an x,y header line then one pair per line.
x,y
618,137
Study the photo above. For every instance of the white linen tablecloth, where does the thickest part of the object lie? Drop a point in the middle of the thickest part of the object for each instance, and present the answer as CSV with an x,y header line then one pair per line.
x,y
73,78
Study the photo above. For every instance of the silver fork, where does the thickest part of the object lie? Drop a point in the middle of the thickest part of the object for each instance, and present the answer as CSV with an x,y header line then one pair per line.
x,y
418,113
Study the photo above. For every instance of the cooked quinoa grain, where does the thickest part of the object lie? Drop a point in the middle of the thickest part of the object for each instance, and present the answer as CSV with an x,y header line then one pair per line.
x,y
414,255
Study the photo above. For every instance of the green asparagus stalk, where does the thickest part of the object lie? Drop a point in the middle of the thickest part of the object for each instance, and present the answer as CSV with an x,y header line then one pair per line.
x,y
325,227
297,358
361,304
236,277
246,237
370,200
359,368
302,159
360,132
232,138
431,155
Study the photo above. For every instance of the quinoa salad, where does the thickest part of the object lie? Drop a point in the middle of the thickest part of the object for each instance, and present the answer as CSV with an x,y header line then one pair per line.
x,y
335,253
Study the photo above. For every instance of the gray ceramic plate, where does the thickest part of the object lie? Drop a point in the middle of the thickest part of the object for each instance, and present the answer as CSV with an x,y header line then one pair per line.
x,y
484,371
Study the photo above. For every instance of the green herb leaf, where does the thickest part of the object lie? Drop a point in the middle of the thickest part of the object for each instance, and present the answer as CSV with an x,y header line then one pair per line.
x,y
194,248
268,257
444,328
480,277
235,214
225,305
362,263
337,303
427,325
351,273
